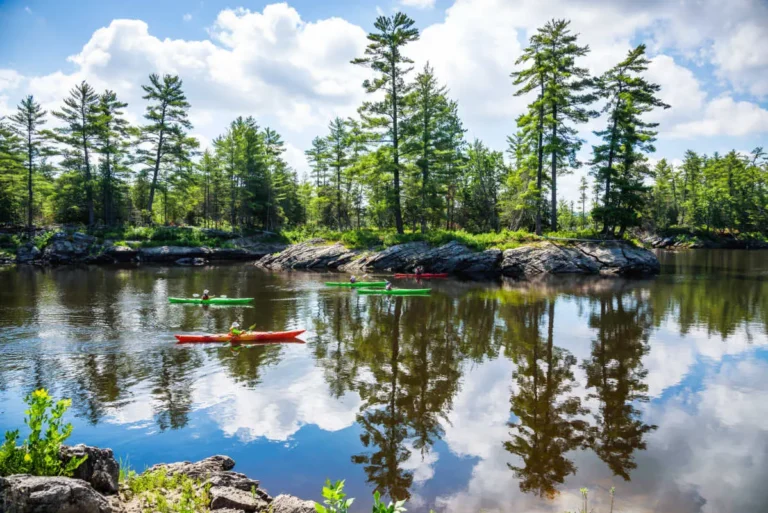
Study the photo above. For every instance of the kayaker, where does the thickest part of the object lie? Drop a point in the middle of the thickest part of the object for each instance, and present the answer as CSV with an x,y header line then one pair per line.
x,y
352,279
419,271
206,297
234,330
388,286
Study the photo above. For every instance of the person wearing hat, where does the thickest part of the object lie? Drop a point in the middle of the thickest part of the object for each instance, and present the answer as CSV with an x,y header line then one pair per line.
x,y
206,297
234,330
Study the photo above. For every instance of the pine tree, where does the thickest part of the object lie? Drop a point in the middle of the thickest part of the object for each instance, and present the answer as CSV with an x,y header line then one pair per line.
x,y
167,116
27,120
11,173
112,132
384,55
339,143
80,113
583,188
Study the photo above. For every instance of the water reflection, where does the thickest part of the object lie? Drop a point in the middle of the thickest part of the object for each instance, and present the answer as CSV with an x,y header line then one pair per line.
x,y
538,387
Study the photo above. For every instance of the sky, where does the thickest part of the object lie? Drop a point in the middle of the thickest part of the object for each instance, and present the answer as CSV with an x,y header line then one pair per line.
x,y
288,64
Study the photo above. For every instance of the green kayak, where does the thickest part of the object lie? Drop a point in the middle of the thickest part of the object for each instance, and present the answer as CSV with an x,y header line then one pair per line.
x,y
357,284
395,292
213,300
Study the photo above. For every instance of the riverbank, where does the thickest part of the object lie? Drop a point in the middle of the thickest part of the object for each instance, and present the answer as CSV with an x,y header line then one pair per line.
x,y
463,259
698,239
99,485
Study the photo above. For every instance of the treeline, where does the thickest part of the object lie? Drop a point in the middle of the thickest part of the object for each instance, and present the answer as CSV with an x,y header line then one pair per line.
x,y
402,163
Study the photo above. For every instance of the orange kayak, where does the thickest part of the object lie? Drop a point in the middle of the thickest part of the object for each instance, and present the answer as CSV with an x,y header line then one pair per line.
x,y
250,336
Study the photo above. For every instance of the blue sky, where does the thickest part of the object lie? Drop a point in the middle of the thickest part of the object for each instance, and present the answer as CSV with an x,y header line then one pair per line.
x,y
287,64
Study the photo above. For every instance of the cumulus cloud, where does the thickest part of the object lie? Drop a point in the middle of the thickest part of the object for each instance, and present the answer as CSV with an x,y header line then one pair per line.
x,y
419,4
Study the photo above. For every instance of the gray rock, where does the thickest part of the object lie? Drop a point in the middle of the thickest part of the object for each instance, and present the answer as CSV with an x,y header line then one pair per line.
x,y
235,480
199,470
546,258
27,253
291,504
31,494
401,257
225,497
100,469
121,253
621,258
65,248
191,261
455,258
313,254
172,253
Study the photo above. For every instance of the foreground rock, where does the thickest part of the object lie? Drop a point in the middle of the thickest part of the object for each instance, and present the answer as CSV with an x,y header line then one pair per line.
x,y
100,468
30,494
610,258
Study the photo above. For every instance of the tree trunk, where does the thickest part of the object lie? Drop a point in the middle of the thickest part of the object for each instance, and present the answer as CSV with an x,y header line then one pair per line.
x,y
29,181
553,222
158,156
396,146
540,151
88,182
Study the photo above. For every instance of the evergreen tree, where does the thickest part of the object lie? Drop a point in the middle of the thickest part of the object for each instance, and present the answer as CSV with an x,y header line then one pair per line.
x,y
112,133
384,55
11,174
339,144
80,115
583,188
27,120
167,117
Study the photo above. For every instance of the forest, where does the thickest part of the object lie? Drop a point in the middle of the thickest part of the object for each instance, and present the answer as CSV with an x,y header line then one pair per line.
x,y
402,164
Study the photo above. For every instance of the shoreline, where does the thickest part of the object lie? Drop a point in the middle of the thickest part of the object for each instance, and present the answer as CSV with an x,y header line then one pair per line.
x,y
547,257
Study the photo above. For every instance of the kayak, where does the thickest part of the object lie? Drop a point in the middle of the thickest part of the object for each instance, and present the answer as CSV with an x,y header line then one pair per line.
x,y
212,301
357,284
250,336
395,292
424,275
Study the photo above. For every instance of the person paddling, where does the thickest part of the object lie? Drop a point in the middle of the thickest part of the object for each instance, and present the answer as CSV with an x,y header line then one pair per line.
x,y
234,330
388,286
352,279
419,271
206,297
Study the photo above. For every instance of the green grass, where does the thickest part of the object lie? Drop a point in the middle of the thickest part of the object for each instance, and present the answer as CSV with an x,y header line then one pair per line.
x,y
378,239
159,492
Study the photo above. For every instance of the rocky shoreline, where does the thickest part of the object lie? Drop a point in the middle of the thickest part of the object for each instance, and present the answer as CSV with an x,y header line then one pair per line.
x,y
95,488
540,258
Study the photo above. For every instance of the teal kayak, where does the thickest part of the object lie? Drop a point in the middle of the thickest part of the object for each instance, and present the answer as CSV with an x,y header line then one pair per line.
x,y
357,284
395,292
213,300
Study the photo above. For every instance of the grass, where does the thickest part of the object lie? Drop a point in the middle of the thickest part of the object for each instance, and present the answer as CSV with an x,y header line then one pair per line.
x,y
157,491
378,239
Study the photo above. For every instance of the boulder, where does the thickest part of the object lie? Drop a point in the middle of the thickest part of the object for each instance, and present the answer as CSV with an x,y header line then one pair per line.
x,y
400,257
202,469
226,497
191,261
236,480
290,504
456,258
65,248
100,469
546,258
172,253
313,254
121,253
27,253
621,258
31,494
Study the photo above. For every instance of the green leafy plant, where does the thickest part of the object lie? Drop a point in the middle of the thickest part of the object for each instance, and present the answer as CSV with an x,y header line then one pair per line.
x,y
39,454
335,499
164,493
392,507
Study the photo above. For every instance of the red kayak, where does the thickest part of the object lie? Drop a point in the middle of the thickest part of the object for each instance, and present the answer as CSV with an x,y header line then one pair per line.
x,y
250,336
424,275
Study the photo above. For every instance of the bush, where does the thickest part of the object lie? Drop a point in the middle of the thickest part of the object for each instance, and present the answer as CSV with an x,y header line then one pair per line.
x,y
39,455
165,493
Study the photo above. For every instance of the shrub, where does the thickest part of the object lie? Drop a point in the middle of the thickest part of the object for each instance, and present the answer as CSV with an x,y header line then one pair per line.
x,y
39,454
165,493
335,498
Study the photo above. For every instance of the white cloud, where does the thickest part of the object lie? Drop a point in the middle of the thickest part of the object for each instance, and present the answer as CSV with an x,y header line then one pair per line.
x,y
725,116
419,4
187,17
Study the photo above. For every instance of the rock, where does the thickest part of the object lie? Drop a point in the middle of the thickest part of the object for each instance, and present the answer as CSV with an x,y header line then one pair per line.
x,y
455,258
121,253
172,253
65,248
27,253
100,469
546,258
291,504
236,480
400,257
191,261
225,497
313,254
30,494
199,470
621,258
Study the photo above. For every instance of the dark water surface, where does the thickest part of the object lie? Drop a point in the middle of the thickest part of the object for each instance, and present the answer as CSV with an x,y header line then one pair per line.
x,y
483,397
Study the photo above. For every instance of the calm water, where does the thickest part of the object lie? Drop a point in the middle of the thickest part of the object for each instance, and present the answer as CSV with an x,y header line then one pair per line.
x,y
483,397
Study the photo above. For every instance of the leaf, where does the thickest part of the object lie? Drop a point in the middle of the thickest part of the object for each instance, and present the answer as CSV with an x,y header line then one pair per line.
x,y
320,508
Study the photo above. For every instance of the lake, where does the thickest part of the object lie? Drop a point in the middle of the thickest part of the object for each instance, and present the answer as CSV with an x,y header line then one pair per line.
x,y
483,397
